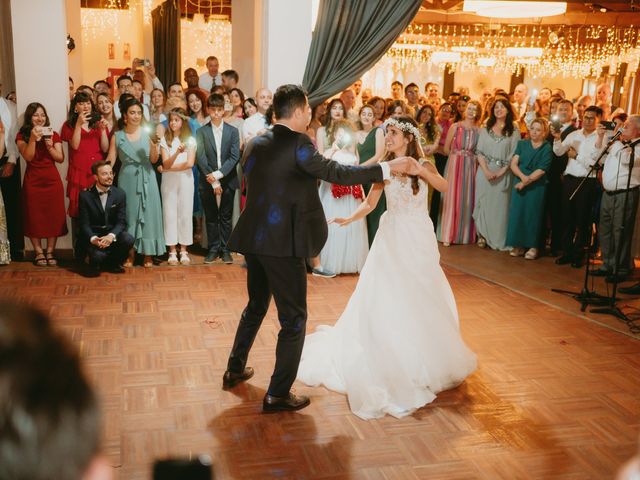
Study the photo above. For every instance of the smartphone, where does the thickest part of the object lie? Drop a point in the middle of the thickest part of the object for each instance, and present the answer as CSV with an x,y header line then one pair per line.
x,y
147,62
183,469
94,117
532,98
556,124
47,131
608,125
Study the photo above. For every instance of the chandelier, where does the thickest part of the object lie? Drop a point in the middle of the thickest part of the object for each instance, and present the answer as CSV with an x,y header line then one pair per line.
x,y
514,9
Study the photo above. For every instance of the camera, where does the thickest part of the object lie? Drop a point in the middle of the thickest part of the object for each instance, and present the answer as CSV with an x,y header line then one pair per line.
x,y
46,131
608,125
183,469
94,117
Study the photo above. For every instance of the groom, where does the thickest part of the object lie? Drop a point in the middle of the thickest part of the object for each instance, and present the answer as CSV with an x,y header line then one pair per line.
x,y
283,224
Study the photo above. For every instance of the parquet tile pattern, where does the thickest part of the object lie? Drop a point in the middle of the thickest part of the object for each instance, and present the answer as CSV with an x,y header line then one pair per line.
x,y
555,396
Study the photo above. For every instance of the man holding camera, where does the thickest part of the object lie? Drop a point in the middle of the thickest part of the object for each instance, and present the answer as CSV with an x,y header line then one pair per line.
x,y
560,123
580,146
616,221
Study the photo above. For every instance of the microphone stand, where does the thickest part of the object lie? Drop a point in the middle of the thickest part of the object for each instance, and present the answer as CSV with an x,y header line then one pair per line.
x,y
612,308
586,296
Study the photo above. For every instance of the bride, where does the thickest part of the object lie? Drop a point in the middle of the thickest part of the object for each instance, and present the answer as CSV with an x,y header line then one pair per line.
x,y
397,344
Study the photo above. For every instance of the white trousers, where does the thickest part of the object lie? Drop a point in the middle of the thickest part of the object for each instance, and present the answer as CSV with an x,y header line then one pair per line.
x,y
177,207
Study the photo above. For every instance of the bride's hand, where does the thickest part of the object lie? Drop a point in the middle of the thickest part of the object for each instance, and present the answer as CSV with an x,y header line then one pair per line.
x,y
340,221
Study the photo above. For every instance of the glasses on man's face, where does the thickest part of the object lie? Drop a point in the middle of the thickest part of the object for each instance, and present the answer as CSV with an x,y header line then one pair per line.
x,y
465,98
588,118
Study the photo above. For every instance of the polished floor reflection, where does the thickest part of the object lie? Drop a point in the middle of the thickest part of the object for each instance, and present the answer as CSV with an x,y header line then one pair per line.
x,y
555,396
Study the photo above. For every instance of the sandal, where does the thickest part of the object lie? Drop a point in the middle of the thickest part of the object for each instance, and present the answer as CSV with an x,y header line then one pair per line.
x,y
40,260
184,258
148,262
173,258
52,261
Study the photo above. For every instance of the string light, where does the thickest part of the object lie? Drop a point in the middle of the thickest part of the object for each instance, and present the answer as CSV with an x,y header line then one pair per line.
x,y
199,39
577,52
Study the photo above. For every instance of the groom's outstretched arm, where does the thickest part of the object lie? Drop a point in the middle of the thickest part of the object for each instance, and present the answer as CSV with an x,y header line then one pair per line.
x,y
314,164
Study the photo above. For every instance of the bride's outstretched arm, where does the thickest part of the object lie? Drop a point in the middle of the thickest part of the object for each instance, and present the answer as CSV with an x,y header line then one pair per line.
x,y
430,174
364,208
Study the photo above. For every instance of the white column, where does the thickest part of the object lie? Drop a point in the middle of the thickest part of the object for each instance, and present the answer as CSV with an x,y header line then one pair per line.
x,y
246,37
40,60
75,56
286,38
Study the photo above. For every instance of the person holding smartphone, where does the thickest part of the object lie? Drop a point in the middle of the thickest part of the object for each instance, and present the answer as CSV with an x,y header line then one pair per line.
x,y
579,145
42,192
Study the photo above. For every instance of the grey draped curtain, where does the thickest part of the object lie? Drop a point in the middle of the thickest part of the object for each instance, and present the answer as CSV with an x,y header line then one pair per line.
x,y
165,21
349,38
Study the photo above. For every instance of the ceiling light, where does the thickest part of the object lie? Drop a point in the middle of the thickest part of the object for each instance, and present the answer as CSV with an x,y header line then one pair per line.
x,y
523,52
486,61
514,9
446,57
463,49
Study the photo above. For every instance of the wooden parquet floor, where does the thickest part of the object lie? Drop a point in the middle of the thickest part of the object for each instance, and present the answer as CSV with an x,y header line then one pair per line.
x,y
554,397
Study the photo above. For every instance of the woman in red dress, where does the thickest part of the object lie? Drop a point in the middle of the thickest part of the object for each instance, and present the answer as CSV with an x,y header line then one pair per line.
x,y
42,191
87,136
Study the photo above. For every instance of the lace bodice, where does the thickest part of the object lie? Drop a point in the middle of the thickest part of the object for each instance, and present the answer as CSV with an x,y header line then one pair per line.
x,y
400,197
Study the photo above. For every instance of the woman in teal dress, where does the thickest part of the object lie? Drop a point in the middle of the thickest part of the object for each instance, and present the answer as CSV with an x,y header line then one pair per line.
x,y
530,163
371,150
138,152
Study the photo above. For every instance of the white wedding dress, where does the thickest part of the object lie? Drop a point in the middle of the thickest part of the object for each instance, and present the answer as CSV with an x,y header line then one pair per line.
x,y
397,343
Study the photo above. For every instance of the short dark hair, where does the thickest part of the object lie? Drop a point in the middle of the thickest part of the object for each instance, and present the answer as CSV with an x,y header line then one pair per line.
x,y
215,100
396,82
174,83
121,78
50,413
232,74
211,57
565,102
98,82
409,86
99,164
287,98
136,81
597,110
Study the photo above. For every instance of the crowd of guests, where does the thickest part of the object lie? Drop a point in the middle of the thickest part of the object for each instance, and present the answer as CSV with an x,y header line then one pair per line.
x,y
512,161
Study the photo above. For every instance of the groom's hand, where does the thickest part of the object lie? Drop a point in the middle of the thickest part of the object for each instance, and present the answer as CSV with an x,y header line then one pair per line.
x,y
406,165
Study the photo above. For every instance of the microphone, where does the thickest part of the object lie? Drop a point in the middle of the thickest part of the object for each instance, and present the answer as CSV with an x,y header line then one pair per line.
x,y
614,138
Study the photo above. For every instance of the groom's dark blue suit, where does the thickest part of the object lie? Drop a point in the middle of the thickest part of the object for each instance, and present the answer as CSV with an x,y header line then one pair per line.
x,y
283,224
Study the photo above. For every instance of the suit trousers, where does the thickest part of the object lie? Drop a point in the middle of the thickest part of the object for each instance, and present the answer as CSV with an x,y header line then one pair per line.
x,y
177,207
612,234
217,219
116,253
577,214
286,279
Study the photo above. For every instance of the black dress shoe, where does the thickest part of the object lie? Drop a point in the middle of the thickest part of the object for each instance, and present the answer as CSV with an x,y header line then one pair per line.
x,y
619,278
599,273
632,290
563,260
290,403
226,257
116,269
211,257
231,379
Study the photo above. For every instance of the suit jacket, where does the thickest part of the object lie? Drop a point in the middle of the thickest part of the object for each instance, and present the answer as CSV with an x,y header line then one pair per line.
x,y
559,163
283,216
207,154
98,221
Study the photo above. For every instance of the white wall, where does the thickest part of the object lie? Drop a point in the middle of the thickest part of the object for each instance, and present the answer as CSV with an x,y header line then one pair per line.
x,y
571,86
286,40
101,27
246,35
40,60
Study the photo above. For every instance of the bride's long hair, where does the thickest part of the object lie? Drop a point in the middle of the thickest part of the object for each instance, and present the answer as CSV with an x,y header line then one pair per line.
x,y
413,148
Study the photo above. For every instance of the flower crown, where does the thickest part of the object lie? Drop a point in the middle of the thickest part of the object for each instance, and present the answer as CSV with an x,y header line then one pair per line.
x,y
404,126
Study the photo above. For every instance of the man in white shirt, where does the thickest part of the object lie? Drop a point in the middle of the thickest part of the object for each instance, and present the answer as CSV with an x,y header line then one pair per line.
x,y
125,85
10,178
348,98
576,213
211,77
256,124
357,91
616,221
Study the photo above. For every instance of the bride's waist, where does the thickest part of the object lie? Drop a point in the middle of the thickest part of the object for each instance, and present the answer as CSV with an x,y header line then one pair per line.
x,y
403,211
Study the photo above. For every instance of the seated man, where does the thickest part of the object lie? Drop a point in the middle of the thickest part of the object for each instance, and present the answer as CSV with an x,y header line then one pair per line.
x,y
103,225
49,413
